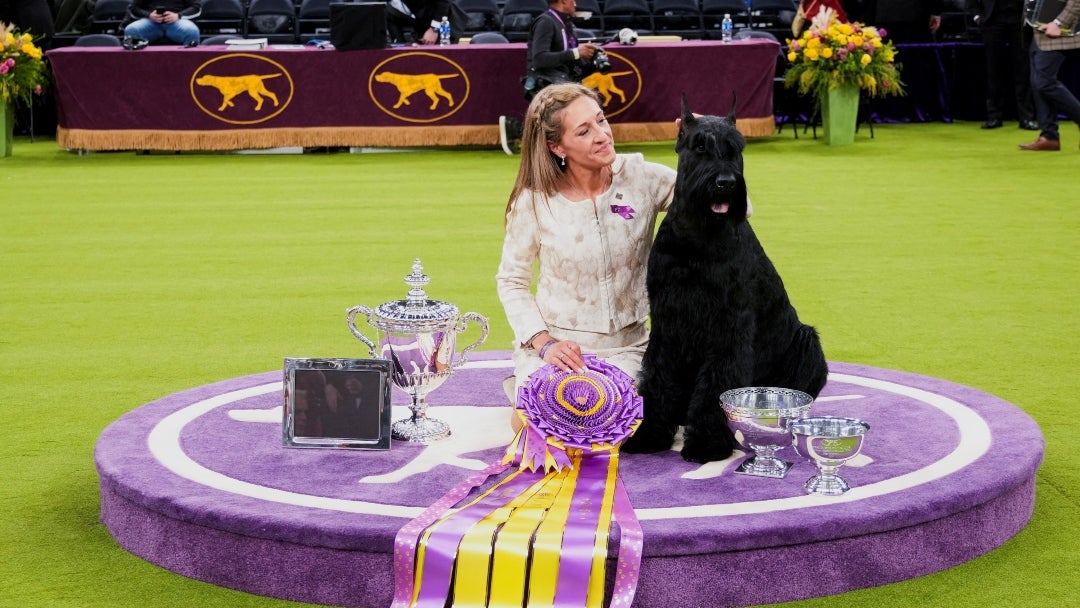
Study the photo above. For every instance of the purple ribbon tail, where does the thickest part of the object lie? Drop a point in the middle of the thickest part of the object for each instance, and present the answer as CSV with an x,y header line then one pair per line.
x,y
628,568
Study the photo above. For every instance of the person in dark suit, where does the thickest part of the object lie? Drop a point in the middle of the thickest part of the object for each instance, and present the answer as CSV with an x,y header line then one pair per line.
x,y
1048,52
419,22
905,21
1001,24
32,16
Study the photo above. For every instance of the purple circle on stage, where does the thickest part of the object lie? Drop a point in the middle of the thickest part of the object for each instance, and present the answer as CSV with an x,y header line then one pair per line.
x,y
199,483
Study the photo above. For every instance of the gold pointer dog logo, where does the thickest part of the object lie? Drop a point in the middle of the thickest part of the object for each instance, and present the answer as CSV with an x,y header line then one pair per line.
x,y
605,85
231,86
408,85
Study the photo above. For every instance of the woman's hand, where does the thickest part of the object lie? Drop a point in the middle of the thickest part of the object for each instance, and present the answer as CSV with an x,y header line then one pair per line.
x,y
563,354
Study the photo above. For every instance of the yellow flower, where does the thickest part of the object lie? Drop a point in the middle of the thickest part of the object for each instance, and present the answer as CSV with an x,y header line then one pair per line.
x,y
826,52
846,29
865,59
811,54
791,56
9,39
813,43
876,43
858,40
31,51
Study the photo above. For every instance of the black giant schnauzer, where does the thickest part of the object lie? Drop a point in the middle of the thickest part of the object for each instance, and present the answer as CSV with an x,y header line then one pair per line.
x,y
721,318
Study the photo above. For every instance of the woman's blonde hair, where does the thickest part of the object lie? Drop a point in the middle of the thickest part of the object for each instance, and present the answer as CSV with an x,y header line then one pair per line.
x,y
539,170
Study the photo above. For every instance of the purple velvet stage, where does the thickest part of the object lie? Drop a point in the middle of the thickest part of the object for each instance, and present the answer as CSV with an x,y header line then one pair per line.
x,y
199,483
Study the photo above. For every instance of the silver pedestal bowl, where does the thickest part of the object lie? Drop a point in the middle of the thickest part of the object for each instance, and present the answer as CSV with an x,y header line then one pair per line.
x,y
828,442
759,417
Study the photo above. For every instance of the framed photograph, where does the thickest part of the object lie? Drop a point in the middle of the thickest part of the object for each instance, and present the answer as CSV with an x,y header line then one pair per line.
x,y
337,403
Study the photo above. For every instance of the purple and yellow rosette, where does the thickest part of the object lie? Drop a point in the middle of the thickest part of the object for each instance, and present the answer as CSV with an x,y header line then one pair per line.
x,y
594,412
538,537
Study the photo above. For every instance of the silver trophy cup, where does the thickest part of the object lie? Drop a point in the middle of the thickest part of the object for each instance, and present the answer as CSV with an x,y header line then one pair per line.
x,y
419,338
828,442
759,417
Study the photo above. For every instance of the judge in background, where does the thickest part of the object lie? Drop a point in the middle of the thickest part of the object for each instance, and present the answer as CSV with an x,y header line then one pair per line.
x,y
1007,63
1049,49
905,21
417,21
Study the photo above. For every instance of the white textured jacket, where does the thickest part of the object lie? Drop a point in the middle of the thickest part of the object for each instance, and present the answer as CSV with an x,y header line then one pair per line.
x,y
592,257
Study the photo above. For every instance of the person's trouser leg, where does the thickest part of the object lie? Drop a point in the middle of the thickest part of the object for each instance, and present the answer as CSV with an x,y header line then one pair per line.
x,y
183,31
1044,70
144,28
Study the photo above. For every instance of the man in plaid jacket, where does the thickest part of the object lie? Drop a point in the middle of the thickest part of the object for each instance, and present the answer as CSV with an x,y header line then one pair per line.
x,y
1048,52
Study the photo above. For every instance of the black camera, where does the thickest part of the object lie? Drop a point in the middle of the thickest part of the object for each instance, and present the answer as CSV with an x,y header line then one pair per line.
x,y
601,62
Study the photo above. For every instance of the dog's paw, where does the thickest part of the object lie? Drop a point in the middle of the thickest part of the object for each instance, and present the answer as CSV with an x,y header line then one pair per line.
x,y
649,439
706,449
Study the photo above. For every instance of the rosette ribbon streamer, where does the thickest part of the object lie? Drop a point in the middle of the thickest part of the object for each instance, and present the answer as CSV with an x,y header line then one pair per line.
x,y
538,536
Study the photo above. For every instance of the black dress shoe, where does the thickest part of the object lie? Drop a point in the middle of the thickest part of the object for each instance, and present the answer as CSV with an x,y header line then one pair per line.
x,y
993,123
1029,125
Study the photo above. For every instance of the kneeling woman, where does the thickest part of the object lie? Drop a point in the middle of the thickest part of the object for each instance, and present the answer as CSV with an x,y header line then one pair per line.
x,y
587,214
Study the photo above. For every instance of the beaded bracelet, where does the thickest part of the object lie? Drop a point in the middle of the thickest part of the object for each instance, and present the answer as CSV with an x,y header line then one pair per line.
x,y
545,347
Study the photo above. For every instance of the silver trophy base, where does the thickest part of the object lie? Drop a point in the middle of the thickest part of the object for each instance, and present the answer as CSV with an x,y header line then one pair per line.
x,y
764,467
420,429
826,485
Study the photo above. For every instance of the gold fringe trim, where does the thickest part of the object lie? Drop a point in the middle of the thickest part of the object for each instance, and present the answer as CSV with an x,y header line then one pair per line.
x,y
388,137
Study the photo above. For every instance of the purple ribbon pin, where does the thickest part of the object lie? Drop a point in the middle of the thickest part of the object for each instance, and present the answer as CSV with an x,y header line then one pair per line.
x,y
624,211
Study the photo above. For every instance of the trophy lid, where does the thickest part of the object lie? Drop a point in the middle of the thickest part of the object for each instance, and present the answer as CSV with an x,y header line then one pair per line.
x,y
416,311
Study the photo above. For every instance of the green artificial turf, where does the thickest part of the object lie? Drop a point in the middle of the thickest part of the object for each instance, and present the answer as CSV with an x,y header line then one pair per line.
x,y
936,249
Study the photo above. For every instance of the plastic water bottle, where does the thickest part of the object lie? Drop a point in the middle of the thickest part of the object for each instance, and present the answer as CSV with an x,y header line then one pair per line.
x,y
725,28
444,32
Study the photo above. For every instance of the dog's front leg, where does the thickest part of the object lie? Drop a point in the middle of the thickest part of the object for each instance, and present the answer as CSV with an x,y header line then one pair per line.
x,y
707,436
657,430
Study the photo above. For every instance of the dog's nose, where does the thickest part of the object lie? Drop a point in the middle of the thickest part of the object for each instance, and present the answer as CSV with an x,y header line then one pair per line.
x,y
725,182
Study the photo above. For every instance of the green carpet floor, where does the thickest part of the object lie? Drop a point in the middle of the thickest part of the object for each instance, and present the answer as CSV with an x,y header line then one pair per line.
x,y
936,249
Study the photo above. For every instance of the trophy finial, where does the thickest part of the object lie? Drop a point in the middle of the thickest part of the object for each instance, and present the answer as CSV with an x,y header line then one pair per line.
x,y
416,281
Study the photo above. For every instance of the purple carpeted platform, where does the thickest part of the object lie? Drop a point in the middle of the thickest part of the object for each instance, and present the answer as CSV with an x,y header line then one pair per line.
x,y
199,483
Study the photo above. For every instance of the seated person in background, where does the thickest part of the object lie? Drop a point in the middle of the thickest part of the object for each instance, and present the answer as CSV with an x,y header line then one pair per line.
x,y
417,21
554,56
169,19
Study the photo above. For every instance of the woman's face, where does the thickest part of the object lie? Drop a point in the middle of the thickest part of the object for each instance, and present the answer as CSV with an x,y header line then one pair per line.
x,y
586,140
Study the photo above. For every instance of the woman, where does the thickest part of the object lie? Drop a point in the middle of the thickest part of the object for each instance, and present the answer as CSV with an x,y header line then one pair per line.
x,y
587,214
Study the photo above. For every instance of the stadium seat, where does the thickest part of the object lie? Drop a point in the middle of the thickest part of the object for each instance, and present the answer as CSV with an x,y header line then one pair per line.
x,y
634,14
488,38
313,20
97,40
109,15
517,17
274,20
713,11
678,17
221,17
481,16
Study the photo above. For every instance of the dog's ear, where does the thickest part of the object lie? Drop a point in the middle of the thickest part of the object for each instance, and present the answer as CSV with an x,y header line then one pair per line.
x,y
687,115
687,119
734,102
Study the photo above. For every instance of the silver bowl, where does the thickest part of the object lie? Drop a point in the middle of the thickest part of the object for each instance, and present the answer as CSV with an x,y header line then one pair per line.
x,y
759,416
828,442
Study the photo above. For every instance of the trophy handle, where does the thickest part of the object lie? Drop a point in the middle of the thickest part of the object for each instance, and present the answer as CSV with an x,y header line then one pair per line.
x,y
351,320
479,320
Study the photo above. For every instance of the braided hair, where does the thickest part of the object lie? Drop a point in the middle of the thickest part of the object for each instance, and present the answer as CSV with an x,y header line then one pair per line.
x,y
540,170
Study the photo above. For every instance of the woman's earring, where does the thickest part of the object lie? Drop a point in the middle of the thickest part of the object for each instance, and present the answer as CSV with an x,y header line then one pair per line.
x,y
562,161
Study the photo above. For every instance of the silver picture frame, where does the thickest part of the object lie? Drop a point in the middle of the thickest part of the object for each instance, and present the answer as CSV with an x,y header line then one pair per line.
x,y
336,403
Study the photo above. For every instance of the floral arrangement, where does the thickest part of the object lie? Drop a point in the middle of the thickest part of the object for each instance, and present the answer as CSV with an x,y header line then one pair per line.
x,y
22,71
831,53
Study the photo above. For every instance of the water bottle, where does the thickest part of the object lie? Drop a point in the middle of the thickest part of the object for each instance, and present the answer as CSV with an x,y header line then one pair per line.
x,y
725,28
444,32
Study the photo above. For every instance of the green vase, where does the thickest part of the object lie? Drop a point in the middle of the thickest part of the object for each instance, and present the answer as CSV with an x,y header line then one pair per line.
x,y
839,113
7,128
